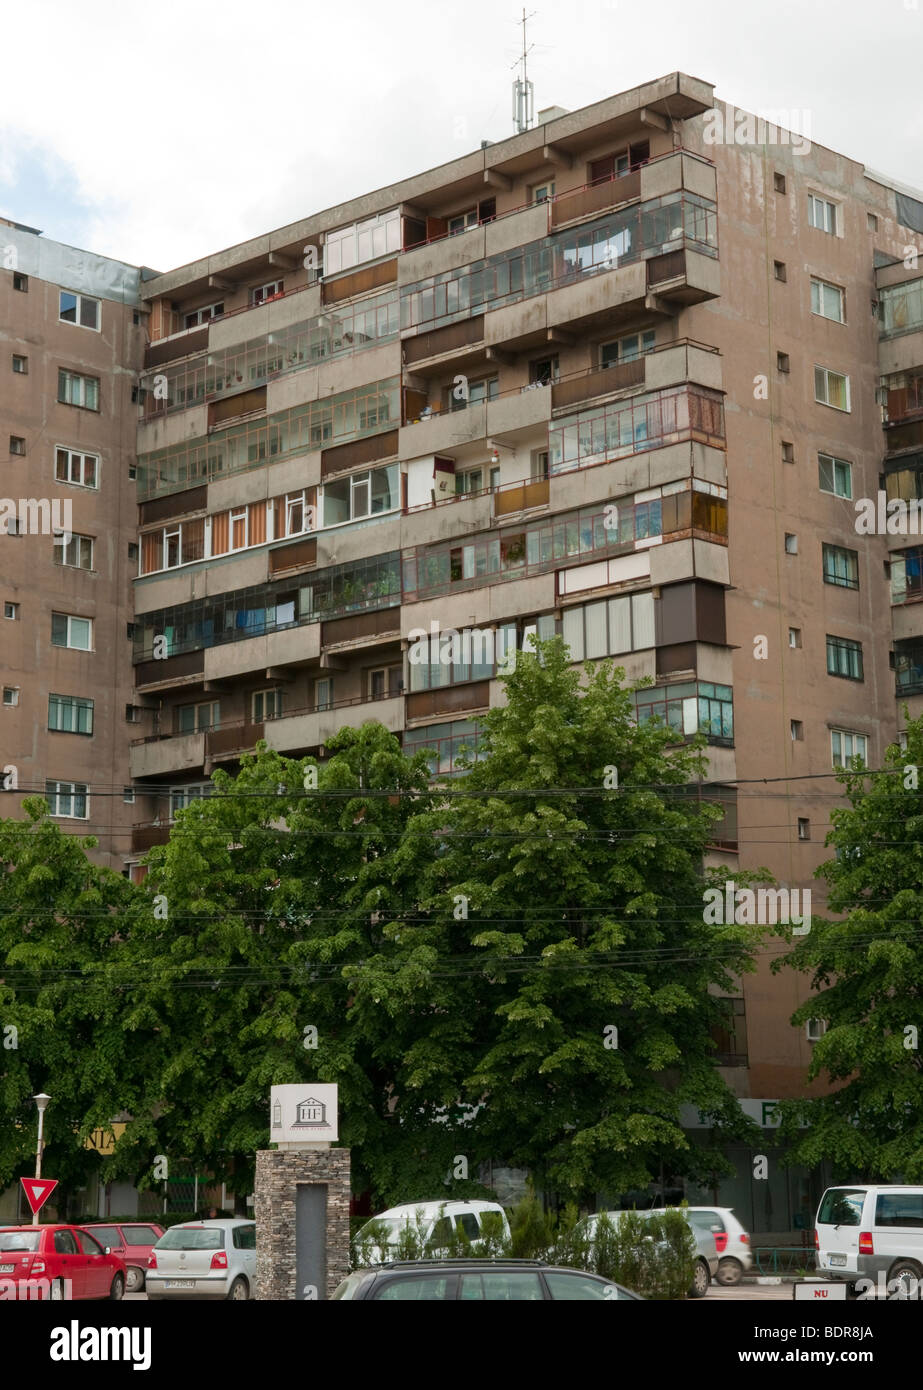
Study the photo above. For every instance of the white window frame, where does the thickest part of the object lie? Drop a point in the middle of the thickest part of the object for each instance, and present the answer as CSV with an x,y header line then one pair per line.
x,y
645,341
238,515
204,315
73,456
183,796
13,616
75,618
68,791
327,703
836,462
79,301
14,691
829,372
21,370
815,1028
260,293
292,501
75,545
822,287
276,693
468,219
66,381
830,214
845,758
543,192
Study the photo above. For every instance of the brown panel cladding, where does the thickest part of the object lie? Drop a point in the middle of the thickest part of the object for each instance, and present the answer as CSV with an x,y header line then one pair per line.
x,y
690,613
359,282
145,837
666,267
584,388
681,657
297,556
362,625
439,340
233,739
155,354
523,495
174,667
244,403
589,200
448,700
358,452
162,508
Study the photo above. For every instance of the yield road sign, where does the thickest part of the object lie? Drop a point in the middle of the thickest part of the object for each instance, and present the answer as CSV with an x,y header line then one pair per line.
x,y
37,1191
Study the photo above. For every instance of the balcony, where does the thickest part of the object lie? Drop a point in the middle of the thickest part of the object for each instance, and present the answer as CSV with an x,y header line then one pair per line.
x,y
146,835
310,729
163,754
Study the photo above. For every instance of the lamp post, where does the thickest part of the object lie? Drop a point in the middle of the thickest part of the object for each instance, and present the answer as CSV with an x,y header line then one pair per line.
x,y
41,1101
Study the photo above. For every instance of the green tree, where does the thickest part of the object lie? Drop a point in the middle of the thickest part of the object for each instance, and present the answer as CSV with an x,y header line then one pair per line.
x,y
867,970
60,1023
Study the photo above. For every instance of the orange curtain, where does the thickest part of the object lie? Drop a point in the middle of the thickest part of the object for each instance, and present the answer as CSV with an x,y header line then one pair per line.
x,y
220,533
257,523
151,552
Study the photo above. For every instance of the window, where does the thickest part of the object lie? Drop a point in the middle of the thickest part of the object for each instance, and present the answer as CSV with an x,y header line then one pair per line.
x,y
323,693
612,166
834,476
788,452
502,1286
778,182
203,315
67,714
627,349
822,214
814,1029
462,221
831,388
180,798
778,268
797,730
20,364
828,301
267,704
872,221
128,796
804,828
132,714
494,478
360,495
471,480
74,551
269,291
846,745
21,283
80,470
14,527
299,512
68,799
11,696
362,241
844,658
791,544
11,610
783,362
487,389
543,371
386,682
17,444
194,719
841,566
243,1237
899,1209
425,1288
542,192
68,631
74,389
78,308
794,637
611,626
539,464
132,551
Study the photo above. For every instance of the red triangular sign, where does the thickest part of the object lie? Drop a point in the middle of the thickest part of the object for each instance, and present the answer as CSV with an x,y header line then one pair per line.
x,y
37,1191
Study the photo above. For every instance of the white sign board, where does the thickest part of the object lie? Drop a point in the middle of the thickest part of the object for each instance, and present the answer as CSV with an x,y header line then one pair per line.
x,y
818,1290
303,1114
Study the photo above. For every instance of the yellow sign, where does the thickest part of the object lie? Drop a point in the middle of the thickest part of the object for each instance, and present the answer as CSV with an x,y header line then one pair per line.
x,y
101,1141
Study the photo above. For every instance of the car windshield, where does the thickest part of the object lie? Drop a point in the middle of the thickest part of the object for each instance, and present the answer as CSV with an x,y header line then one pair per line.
x,y
109,1235
841,1206
390,1227
19,1240
192,1238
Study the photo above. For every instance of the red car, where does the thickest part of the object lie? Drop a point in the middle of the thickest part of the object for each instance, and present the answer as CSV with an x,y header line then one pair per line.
x,y
132,1241
57,1262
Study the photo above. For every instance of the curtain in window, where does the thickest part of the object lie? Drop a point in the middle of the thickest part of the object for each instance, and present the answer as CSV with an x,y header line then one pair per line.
x,y
221,534
151,552
257,523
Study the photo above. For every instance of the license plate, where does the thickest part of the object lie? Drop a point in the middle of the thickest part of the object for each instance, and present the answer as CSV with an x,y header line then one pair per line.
x,y
7,1269
837,1260
179,1283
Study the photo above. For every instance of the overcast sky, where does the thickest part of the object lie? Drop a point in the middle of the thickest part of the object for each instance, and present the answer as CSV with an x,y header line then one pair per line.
x,y
159,132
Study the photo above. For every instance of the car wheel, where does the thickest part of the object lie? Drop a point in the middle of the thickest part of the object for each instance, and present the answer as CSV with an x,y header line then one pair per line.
x,y
134,1279
56,1293
239,1290
906,1274
730,1272
117,1287
701,1279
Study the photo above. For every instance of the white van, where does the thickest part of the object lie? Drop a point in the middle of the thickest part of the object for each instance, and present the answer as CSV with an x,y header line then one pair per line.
x,y
435,1221
871,1232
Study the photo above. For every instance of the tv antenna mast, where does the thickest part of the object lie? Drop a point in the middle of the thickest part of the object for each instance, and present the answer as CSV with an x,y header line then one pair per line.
x,y
522,87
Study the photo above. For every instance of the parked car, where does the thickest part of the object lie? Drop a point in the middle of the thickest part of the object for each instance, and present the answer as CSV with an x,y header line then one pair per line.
x,y
437,1222
731,1241
132,1241
58,1261
204,1259
495,1281
868,1230
706,1250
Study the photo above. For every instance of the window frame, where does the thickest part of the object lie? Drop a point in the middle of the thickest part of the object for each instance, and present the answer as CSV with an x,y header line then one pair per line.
x,y
71,455
821,286
829,372
70,618
75,542
72,796
844,759
79,301
835,644
67,377
815,199
837,463
841,577
76,705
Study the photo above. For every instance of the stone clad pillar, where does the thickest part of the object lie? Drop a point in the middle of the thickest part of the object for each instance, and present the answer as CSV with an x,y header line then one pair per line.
x,y
279,1175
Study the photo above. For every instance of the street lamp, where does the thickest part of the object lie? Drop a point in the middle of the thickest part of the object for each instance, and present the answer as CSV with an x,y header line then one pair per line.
x,y
41,1101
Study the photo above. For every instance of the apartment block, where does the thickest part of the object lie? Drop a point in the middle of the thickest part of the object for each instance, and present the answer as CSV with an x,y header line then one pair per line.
x,y
72,338
623,377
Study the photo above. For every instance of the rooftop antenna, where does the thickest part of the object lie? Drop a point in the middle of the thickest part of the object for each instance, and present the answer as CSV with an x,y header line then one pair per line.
x,y
522,87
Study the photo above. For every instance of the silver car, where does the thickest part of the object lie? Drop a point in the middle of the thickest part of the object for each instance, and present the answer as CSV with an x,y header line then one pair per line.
x,y
204,1259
